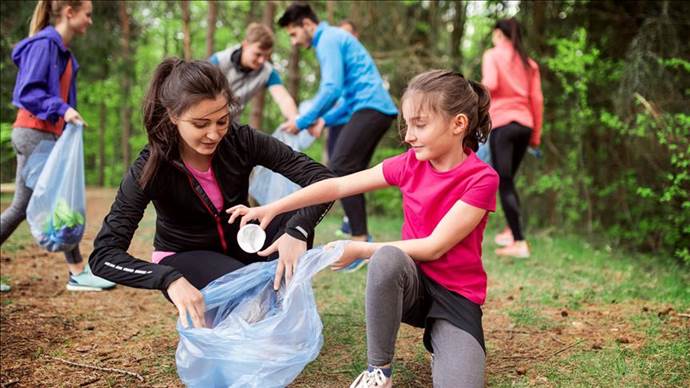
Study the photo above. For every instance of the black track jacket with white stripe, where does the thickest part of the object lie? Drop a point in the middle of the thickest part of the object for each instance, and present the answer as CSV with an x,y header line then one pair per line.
x,y
186,219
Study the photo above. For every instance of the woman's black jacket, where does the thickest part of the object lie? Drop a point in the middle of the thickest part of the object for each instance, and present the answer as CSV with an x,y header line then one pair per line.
x,y
186,220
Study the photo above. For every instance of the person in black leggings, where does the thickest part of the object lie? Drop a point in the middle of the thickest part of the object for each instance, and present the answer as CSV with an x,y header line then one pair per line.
x,y
517,105
508,145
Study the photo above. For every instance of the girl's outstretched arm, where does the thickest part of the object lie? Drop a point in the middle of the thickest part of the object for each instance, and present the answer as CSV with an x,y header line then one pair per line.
x,y
457,224
320,192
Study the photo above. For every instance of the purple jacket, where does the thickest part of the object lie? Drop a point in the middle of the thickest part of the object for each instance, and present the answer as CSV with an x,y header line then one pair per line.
x,y
41,60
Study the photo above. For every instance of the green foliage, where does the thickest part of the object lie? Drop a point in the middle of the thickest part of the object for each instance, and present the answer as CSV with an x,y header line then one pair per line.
x,y
598,158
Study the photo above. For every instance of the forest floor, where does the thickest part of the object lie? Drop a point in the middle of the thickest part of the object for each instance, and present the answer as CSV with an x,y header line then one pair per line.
x,y
572,315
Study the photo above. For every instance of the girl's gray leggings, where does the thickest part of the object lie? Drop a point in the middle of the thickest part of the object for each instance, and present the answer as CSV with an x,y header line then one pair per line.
x,y
394,290
24,140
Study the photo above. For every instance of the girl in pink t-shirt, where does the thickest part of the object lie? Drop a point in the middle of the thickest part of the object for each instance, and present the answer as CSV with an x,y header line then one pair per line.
x,y
433,277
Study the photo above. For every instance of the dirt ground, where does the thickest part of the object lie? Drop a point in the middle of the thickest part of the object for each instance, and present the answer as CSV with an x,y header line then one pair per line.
x,y
43,326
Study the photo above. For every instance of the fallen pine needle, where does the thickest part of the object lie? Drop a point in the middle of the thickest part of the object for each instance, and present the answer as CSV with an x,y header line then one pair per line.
x,y
121,371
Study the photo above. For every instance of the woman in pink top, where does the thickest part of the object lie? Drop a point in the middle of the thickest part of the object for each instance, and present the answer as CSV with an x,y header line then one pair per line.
x,y
516,113
433,277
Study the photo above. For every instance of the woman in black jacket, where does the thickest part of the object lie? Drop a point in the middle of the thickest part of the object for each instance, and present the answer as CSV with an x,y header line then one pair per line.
x,y
197,163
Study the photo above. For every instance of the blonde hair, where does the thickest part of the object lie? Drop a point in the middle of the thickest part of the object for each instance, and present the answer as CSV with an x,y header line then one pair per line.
x,y
48,11
257,32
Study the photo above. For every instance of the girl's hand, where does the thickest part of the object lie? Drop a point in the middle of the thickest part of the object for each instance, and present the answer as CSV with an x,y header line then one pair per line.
x,y
263,214
189,302
289,250
353,250
72,116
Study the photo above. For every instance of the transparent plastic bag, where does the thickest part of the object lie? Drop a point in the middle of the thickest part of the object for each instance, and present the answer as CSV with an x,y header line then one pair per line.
x,y
34,165
57,206
255,336
267,186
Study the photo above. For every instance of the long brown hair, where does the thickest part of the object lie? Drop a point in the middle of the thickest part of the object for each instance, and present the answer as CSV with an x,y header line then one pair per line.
x,y
175,87
512,30
448,93
48,11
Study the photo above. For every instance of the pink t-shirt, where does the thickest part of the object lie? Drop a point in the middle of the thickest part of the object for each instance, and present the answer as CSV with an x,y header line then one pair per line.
x,y
208,182
515,93
427,196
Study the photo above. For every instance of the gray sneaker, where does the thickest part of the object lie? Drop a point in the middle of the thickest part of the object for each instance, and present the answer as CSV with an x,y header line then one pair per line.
x,y
4,287
87,281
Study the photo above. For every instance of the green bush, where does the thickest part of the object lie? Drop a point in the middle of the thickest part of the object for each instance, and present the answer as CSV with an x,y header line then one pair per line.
x,y
623,177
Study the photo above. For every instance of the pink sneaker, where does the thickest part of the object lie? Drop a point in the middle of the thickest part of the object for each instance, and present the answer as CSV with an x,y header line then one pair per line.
x,y
518,249
373,379
504,238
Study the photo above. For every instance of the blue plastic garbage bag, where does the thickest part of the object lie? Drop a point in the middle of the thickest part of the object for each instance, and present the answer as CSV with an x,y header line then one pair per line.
x,y
267,186
255,336
34,165
57,206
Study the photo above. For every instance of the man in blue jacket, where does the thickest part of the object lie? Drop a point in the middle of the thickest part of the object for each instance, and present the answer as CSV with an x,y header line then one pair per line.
x,y
347,70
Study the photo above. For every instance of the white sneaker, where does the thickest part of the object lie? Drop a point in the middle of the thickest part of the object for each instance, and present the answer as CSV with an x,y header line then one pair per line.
x,y
372,379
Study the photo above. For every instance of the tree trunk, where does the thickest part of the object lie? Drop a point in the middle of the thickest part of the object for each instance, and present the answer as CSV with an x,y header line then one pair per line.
x,y
258,102
433,28
185,30
330,12
211,29
126,84
294,74
535,29
455,42
103,112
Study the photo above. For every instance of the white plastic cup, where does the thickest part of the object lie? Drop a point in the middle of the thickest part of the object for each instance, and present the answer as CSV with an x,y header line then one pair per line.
x,y
251,238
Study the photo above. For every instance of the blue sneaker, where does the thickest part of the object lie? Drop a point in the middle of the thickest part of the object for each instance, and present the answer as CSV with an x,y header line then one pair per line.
x,y
357,263
87,281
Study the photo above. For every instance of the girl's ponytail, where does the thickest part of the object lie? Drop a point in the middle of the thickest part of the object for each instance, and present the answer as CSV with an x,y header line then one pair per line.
x,y
41,17
48,11
161,131
480,131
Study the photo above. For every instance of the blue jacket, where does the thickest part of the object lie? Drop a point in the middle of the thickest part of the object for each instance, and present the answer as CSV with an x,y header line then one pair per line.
x,y
41,60
347,70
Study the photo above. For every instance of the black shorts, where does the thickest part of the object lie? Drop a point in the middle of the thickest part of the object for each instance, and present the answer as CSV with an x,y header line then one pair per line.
x,y
439,302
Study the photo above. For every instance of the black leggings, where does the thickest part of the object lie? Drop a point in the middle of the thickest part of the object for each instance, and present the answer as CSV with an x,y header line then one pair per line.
x,y
202,267
508,146
352,152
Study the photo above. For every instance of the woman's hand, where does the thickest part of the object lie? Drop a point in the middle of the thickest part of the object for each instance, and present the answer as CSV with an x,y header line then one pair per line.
x,y
189,302
72,116
353,250
289,251
263,214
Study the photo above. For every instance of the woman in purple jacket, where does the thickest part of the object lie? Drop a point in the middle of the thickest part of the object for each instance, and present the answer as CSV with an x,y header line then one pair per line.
x,y
45,94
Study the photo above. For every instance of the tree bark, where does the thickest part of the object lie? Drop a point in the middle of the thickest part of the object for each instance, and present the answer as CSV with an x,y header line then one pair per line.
x,y
455,42
294,74
259,101
186,17
103,112
126,84
211,29
535,29
330,12
433,27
